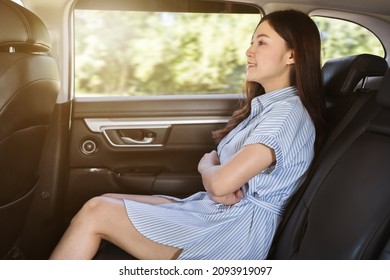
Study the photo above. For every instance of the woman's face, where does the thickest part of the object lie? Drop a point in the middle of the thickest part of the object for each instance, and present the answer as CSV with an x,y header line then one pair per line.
x,y
268,59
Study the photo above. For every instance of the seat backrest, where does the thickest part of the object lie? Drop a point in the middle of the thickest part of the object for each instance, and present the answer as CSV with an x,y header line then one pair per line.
x,y
29,85
344,76
344,212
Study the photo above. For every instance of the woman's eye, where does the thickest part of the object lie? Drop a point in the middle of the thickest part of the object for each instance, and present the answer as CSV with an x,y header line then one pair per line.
x,y
261,43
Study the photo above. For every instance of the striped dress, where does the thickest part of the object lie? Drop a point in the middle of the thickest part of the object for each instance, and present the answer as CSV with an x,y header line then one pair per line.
x,y
207,230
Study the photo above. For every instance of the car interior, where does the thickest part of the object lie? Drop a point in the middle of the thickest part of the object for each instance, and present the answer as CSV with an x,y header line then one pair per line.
x,y
58,150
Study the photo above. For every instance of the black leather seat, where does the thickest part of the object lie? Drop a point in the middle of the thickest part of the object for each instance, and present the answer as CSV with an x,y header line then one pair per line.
x,y
29,85
344,211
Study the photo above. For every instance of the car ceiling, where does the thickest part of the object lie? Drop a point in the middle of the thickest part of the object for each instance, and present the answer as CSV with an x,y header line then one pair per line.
x,y
379,7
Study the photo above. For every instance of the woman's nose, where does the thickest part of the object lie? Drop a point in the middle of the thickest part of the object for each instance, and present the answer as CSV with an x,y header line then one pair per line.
x,y
249,52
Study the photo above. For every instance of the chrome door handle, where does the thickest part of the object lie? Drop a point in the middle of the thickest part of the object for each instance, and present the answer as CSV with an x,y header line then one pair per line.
x,y
145,140
136,136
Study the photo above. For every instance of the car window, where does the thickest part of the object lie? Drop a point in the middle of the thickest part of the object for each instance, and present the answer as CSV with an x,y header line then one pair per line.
x,y
343,38
141,53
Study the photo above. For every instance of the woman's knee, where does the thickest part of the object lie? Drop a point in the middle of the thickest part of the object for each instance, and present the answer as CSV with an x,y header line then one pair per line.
x,y
90,210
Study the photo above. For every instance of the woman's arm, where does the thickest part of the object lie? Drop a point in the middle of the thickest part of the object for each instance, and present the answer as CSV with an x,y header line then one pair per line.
x,y
223,182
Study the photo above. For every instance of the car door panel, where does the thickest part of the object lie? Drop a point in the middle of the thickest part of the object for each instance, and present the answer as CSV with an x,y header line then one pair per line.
x,y
149,146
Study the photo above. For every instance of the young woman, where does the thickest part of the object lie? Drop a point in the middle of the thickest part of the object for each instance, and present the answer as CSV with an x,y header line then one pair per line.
x,y
262,157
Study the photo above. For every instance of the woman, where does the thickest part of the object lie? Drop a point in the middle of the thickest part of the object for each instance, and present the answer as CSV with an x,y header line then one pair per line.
x,y
263,155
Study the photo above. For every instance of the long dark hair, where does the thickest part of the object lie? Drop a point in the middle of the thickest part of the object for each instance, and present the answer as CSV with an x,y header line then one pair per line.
x,y
301,35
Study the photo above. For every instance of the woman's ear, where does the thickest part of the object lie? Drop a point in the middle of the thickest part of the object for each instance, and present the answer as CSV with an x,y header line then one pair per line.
x,y
290,59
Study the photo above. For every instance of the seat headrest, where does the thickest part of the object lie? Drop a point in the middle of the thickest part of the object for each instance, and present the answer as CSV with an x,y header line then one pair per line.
x,y
21,29
383,96
341,75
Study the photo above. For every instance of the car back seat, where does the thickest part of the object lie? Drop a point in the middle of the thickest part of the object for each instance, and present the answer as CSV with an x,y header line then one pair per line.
x,y
341,79
343,211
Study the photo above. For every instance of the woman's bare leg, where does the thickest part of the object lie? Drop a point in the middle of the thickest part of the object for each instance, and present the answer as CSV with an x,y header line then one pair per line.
x,y
105,217
141,198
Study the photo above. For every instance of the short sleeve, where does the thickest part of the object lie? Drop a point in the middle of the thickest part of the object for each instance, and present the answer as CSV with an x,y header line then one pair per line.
x,y
276,129
269,141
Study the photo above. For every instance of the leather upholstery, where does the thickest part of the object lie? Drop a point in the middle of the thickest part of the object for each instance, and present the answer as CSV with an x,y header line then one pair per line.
x,y
29,84
344,213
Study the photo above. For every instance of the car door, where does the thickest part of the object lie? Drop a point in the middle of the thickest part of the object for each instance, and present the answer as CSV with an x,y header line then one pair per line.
x,y
145,146
151,144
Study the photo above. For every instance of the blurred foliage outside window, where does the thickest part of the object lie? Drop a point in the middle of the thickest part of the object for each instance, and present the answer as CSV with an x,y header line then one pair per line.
x,y
343,38
143,53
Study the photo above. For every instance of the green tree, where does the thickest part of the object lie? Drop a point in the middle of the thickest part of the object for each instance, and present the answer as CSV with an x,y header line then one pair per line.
x,y
141,53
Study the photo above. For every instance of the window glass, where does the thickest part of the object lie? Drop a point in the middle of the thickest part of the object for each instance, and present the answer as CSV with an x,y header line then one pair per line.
x,y
135,53
343,38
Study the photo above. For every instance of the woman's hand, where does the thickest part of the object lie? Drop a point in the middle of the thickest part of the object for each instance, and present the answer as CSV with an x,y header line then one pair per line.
x,y
229,199
210,160
223,182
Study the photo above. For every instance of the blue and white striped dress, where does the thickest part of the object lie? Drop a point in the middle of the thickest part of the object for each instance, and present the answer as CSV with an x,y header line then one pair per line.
x,y
207,230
